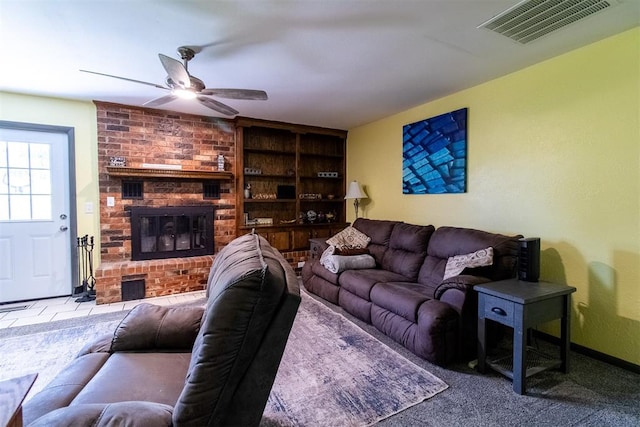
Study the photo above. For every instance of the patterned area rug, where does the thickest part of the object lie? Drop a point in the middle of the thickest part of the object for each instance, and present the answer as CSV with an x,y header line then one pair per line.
x,y
332,373
335,374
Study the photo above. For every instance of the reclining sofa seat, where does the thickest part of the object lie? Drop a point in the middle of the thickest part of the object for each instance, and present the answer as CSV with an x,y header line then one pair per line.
x,y
405,296
185,366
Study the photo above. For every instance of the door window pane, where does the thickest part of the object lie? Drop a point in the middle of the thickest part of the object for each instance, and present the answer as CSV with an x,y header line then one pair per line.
x,y
4,207
25,181
19,181
40,182
18,154
20,206
3,154
41,207
39,156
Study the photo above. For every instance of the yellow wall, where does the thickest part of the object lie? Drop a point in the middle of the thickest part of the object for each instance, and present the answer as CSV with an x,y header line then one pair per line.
x,y
553,152
82,117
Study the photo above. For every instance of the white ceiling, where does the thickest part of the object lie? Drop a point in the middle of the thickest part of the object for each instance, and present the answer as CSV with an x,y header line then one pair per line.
x,y
328,63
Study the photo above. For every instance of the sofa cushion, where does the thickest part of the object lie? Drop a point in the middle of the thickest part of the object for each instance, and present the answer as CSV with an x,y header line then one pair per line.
x,y
349,238
245,288
401,298
379,231
360,282
148,379
451,241
407,249
130,414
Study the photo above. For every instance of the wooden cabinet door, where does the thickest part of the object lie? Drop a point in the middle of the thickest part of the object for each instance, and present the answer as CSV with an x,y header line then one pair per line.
x,y
279,240
301,239
321,232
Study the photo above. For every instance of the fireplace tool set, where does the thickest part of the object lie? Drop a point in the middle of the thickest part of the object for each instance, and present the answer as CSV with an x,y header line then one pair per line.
x,y
85,270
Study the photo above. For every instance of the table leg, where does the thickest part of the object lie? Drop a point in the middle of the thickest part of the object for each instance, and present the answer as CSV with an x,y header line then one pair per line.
x,y
519,355
482,336
482,350
565,334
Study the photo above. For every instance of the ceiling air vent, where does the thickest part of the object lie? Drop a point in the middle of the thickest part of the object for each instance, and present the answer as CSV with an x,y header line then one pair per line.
x,y
531,19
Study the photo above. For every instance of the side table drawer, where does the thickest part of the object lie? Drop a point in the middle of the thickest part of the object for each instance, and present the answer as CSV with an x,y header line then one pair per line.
x,y
499,310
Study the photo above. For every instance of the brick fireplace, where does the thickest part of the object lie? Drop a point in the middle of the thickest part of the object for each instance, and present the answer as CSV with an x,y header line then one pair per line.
x,y
147,136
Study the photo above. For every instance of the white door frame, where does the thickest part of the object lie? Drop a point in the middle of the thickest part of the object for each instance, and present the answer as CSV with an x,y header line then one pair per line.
x,y
73,217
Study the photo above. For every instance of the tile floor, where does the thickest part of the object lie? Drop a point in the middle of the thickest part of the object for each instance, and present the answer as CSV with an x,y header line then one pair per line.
x,y
61,308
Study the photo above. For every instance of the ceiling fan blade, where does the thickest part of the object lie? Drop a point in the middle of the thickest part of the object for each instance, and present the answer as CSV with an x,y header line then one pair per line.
x,y
217,106
161,100
127,79
258,95
176,71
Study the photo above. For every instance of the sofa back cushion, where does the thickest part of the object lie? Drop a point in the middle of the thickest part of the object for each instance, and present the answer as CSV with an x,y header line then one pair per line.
x,y
451,241
407,249
244,291
380,233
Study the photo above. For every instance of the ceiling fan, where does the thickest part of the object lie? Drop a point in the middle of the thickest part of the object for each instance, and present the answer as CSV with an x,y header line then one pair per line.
x,y
184,85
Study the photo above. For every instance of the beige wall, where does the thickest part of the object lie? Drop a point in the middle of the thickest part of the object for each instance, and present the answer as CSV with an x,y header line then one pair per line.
x,y
82,117
553,152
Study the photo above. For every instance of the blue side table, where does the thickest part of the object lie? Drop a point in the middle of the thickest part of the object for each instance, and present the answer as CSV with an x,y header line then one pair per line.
x,y
522,305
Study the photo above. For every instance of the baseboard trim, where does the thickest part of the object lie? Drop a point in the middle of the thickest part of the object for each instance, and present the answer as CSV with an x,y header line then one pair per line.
x,y
591,353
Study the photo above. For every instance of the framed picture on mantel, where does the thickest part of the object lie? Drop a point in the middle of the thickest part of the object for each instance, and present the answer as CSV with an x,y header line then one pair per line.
x,y
434,154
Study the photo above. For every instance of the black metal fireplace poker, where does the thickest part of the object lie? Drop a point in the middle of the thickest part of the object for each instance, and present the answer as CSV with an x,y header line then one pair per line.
x,y
85,268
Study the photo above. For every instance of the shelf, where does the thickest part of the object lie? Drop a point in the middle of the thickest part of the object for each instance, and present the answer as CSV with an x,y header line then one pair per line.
x,y
248,176
295,225
321,177
268,151
536,361
168,173
315,155
269,200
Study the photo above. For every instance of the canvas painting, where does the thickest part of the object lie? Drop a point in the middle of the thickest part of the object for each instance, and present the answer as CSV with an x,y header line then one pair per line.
x,y
434,155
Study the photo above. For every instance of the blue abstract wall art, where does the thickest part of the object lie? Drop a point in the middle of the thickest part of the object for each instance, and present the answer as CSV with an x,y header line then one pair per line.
x,y
434,155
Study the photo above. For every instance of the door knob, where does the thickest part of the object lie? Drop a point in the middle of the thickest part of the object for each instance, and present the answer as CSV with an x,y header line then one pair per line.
x,y
63,228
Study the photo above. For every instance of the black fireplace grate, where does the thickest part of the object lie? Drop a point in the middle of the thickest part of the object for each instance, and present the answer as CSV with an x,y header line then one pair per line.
x,y
132,289
171,232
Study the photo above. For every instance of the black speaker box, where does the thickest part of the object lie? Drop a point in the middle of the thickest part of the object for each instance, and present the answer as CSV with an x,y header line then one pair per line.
x,y
529,259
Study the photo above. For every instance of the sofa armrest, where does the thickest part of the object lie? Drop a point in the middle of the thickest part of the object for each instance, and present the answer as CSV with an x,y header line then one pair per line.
x,y
99,345
153,327
132,414
462,282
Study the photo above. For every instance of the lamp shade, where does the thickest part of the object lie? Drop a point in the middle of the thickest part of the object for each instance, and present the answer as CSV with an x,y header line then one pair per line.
x,y
355,191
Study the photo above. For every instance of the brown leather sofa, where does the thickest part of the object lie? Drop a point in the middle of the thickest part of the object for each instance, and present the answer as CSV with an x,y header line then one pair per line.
x,y
185,366
405,296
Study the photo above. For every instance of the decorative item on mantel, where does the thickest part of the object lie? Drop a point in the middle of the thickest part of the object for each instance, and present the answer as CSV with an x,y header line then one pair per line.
x,y
356,193
118,161
220,162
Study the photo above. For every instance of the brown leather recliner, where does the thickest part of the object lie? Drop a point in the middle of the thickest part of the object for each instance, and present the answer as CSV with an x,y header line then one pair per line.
x,y
185,366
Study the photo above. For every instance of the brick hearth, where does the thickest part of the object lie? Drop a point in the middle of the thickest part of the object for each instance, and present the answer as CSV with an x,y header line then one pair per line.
x,y
158,137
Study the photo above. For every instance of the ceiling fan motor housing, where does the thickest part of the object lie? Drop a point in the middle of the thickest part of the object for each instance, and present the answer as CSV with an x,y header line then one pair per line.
x,y
197,85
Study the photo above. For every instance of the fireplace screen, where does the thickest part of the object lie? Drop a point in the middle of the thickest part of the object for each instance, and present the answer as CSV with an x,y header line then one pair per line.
x,y
171,232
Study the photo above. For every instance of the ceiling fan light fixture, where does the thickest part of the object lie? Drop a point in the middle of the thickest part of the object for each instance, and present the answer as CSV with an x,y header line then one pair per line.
x,y
184,93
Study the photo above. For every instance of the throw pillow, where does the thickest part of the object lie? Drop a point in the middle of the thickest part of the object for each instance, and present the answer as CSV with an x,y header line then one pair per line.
x,y
349,238
456,264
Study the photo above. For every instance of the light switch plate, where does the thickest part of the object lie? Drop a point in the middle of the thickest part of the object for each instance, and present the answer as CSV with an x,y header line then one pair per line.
x,y
111,201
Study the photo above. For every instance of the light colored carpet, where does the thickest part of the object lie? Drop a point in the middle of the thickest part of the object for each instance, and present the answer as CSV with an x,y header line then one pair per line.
x,y
332,372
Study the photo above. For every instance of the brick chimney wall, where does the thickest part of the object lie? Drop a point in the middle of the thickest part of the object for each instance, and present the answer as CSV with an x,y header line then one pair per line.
x,y
143,135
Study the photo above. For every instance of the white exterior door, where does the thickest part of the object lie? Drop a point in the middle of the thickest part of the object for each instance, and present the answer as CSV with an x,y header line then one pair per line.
x,y
35,243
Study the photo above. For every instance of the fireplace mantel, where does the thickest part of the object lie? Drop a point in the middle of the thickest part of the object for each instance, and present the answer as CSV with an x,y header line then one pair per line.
x,y
125,171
